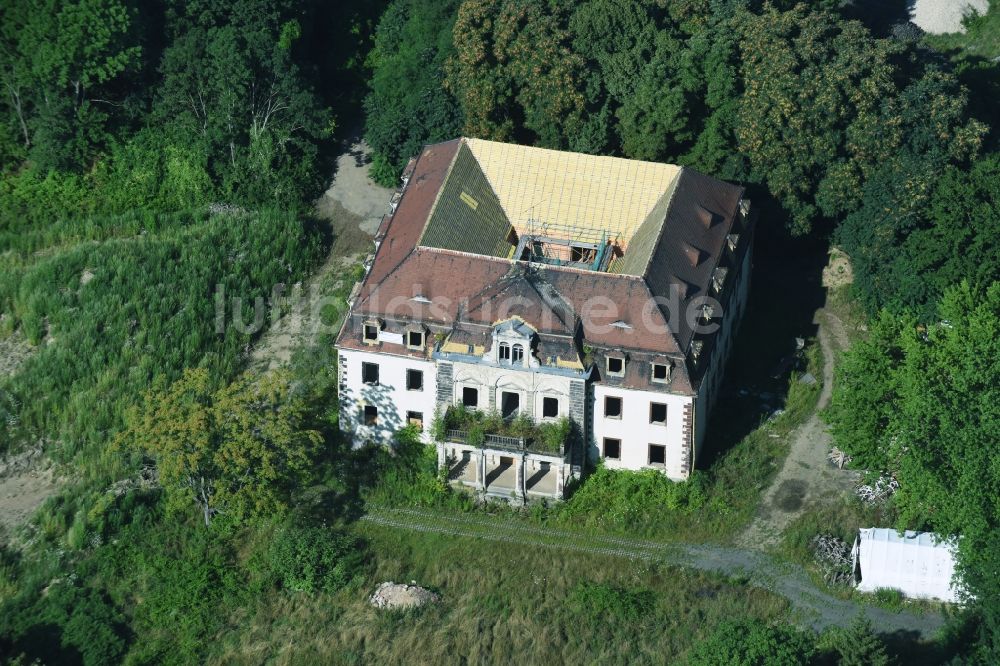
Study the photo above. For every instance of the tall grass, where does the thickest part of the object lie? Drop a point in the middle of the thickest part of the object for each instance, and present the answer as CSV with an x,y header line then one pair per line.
x,y
145,311
516,604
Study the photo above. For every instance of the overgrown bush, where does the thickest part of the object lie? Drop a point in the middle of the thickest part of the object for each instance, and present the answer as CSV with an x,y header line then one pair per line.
x,y
182,582
633,500
313,559
602,602
753,643
69,624
549,437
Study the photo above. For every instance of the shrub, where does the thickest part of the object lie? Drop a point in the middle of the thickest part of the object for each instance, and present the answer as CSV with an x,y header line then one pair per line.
x,y
314,559
752,643
382,172
888,597
552,436
68,624
632,500
600,601
857,645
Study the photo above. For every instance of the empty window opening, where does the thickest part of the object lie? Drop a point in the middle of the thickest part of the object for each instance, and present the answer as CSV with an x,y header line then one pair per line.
x,y
612,407
657,454
657,413
369,373
371,332
550,408
414,380
415,339
510,402
660,372
470,397
580,254
612,448
504,352
371,415
415,419
517,354
616,366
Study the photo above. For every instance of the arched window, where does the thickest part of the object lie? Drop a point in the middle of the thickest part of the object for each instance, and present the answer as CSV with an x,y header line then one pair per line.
x,y
503,354
518,354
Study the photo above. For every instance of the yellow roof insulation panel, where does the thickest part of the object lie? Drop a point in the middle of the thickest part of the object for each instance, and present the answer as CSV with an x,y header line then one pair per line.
x,y
538,187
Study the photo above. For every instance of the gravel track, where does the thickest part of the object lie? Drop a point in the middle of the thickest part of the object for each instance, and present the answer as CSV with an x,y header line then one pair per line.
x,y
813,606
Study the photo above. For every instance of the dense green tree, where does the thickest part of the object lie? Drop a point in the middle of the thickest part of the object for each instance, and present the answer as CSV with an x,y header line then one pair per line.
x,y
929,412
59,60
924,225
230,84
865,403
858,645
237,451
408,105
809,114
514,72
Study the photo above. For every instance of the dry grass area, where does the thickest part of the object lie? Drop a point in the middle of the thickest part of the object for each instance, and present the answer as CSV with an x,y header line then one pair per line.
x,y
518,604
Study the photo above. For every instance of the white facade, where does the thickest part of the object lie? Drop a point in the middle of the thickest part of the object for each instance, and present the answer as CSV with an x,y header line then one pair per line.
x,y
635,430
390,397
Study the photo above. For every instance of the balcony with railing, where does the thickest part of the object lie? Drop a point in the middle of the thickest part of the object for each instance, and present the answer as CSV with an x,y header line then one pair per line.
x,y
491,431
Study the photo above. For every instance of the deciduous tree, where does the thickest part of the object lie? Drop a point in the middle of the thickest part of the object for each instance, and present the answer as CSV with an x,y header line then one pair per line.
x,y
236,451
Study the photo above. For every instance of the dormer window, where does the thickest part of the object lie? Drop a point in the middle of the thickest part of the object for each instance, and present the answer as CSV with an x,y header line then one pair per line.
x,y
517,354
661,373
371,330
616,366
415,339
503,353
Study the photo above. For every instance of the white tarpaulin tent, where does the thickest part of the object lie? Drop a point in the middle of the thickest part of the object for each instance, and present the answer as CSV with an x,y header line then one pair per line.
x,y
918,564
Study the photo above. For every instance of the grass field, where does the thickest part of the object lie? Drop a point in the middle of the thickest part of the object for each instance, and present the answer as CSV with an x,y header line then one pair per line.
x,y
519,605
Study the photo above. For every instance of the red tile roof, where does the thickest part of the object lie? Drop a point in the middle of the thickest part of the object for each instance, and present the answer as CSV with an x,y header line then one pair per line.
x,y
443,288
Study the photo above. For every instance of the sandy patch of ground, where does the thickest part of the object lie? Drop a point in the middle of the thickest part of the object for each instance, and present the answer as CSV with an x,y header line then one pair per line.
x,y
354,190
26,481
353,206
807,476
939,17
838,270
304,321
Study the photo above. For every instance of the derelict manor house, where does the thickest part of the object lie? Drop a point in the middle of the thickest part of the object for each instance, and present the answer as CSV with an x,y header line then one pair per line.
x,y
541,308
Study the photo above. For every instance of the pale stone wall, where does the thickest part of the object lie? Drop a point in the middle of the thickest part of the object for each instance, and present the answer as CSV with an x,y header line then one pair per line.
x,y
390,396
491,381
637,433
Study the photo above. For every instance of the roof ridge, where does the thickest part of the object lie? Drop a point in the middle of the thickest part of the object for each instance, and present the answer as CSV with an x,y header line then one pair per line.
x,y
387,240
437,196
674,186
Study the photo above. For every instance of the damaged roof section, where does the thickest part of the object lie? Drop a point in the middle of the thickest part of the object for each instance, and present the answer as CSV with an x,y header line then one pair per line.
x,y
597,251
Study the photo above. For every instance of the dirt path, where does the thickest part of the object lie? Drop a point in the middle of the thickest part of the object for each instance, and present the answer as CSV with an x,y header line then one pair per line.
x,y
812,606
353,189
353,205
26,481
806,476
